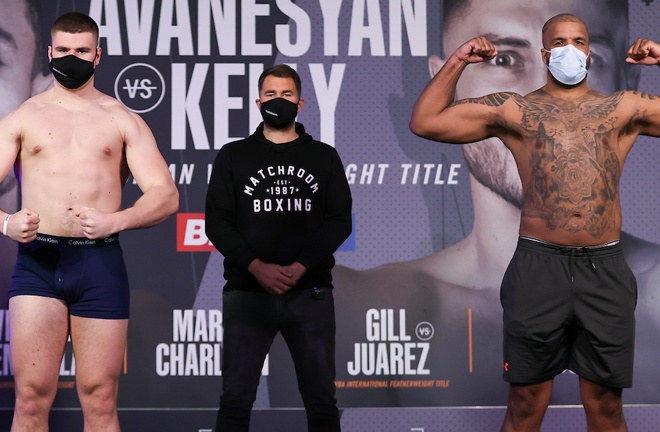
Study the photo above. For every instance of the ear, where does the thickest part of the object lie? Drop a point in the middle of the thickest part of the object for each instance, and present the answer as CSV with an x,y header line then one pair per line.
x,y
301,102
97,59
258,102
435,64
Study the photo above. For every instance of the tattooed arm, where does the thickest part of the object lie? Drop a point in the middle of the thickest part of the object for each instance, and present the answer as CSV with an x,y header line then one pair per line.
x,y
646,113
438,117
647,107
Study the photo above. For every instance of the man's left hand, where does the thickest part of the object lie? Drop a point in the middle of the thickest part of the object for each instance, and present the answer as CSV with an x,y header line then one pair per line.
x,y
295,270
95,223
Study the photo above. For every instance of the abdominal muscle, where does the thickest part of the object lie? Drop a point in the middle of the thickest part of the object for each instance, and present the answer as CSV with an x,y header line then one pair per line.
x,y
58,195
577,231
570,197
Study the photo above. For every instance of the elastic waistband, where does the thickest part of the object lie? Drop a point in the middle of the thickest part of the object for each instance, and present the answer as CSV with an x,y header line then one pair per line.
x,y
76,241
608,249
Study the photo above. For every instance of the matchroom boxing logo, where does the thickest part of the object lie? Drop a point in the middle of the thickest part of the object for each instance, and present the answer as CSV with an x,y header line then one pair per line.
x,y
140,87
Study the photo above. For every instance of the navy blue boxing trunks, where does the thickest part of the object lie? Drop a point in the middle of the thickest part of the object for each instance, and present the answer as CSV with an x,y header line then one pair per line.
x,y
568,308
88,275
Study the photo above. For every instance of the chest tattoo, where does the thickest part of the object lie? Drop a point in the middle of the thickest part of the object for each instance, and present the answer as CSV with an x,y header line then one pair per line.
x,y
574,168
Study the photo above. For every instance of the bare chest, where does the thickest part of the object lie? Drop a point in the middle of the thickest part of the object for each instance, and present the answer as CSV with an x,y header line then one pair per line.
x,y
570,167
583,136
71,136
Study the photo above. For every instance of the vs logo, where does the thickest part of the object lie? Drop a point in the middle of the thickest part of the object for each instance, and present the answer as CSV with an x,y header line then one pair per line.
x,y
140,87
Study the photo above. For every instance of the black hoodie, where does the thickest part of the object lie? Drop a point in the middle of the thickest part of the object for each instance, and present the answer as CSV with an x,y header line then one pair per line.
x,y
280,203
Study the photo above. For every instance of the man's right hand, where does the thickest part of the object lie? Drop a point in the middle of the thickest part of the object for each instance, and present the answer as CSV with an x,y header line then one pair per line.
x,y
23,226
273,278
476,50
644,52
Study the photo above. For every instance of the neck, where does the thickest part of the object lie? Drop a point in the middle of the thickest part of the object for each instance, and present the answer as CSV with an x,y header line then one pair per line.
x,y
563,91
280,136
83,91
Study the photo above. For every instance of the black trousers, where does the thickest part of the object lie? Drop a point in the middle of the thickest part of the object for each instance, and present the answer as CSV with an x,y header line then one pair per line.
x,y
251,321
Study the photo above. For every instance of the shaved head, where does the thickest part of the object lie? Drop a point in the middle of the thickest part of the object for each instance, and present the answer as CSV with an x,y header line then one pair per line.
x,y
564,17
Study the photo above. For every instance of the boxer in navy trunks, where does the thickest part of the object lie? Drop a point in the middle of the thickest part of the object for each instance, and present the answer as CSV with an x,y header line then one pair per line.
x,y
72,148
88,275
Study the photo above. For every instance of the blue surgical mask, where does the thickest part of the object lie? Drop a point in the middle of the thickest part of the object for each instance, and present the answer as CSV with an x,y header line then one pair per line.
x,y
568,64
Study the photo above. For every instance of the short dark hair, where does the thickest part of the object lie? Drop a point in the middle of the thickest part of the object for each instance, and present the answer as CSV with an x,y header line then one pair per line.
x,y
75,22
281,71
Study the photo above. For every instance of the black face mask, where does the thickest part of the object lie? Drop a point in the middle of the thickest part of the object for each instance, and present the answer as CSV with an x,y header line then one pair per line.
x,y
279,112
70,71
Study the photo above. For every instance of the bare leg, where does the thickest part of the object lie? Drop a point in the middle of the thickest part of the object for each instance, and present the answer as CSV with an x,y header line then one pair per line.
x,y
526,407
603,407
98,346
39,330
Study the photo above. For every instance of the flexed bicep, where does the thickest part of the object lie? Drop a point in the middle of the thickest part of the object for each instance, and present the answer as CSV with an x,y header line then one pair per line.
x,y
436,117
472,119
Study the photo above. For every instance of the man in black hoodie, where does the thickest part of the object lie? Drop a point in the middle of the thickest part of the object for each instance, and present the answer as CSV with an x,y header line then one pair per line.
x,y
278,206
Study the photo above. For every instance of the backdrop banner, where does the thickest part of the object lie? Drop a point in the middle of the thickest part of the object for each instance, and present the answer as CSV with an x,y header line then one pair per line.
x,y
417,283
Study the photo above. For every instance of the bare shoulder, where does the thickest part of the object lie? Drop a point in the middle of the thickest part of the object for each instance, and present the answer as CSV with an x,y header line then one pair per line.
x,y
126,119
31,106
25,114
635,100
117,108
639,95
622,99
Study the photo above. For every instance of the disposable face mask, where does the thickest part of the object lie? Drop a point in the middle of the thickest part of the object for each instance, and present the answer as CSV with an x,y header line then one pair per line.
x,y
70,71
568,64
279,112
